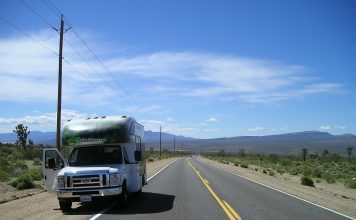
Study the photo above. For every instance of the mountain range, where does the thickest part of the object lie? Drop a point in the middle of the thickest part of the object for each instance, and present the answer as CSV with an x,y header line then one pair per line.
x,y
290,143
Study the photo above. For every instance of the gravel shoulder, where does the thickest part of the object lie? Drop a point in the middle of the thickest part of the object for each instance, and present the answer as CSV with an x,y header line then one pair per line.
x,y
332,196
37,204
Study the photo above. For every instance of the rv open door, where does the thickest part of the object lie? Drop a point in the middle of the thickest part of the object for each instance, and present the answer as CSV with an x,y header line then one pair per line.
x,y
52,163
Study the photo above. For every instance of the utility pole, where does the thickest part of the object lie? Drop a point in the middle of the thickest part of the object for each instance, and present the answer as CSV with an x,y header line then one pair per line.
x,y
174,146
59,100
160,141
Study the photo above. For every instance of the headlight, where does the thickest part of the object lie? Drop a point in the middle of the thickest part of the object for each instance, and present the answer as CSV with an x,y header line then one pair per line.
x,y
114,179
60,181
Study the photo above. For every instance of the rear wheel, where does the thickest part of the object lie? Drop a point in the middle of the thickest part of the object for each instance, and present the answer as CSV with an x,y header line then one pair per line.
x,y
65,205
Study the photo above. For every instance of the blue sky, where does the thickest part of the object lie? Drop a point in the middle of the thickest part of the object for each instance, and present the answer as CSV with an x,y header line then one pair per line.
x,y
199,68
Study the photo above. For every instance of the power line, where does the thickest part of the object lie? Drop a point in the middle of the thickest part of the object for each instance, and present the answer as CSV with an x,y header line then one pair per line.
x,y
27,35
36,13
56,11
85,60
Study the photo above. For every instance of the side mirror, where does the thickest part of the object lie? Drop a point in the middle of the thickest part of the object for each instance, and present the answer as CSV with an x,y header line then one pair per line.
x,y
51,163
138,155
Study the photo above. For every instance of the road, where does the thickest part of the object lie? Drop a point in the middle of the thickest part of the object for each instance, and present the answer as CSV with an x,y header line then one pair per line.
x,y
192,189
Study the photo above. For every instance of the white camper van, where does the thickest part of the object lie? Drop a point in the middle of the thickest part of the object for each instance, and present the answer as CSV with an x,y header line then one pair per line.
x,y
107,158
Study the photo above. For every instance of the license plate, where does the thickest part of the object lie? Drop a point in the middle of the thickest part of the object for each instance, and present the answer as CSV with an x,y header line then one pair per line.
x,y
85,198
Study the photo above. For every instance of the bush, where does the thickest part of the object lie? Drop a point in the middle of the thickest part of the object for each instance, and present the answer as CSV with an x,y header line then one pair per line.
x,y
236,164
244,165
329,178
271,173
4,176
37,161
36,174
25,181
21,165
256,169
151,159
317,173
307,181
264,171
351,183
318,180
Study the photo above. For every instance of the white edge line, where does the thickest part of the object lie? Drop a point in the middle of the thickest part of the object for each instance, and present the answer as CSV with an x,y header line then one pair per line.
x,y
320,206
114,203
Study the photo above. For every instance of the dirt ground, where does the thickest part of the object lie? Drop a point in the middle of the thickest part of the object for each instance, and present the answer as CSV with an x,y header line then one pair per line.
x,y
38,204
333,196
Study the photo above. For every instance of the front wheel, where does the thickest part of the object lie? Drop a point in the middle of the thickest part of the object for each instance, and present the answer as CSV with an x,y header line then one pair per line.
x,y
65,205
124,197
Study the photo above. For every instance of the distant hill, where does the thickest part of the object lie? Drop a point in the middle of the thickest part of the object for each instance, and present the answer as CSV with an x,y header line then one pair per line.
x,y
290,143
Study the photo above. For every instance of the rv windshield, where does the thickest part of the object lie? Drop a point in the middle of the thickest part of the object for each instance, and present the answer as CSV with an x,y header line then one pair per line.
x,y
94,155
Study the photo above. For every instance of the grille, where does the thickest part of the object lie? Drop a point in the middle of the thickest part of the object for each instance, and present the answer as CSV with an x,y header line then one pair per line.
x,y
87,181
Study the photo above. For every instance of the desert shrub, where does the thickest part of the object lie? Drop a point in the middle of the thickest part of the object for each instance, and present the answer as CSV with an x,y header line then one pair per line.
x,y
329,178
4,176
280,171
286,163
351,183
307,171
264,171
256,169
271,173
236,164
21,165
317,173
150,159
244,165
37,161
25,181
307,181
35,174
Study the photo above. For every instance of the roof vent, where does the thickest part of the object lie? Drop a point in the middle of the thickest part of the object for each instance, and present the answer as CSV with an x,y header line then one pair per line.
x,y
69,119
87,118
103,116
96,117
124,116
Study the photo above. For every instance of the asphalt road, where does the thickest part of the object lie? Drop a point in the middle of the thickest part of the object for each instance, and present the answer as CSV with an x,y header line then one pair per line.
x,y
191,189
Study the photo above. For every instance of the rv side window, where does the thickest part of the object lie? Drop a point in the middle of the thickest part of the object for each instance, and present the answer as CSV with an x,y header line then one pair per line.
x,y
132,128
138,143
126,158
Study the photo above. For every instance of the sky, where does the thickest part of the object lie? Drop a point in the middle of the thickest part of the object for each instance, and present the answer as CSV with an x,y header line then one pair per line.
x,y
202,69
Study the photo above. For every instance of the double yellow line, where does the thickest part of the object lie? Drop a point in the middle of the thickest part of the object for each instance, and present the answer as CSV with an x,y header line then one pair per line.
x,y
230,212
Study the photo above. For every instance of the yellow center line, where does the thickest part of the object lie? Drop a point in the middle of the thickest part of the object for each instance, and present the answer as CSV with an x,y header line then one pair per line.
x,y
230,212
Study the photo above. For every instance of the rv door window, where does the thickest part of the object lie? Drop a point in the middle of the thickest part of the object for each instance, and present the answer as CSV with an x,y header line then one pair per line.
x,y
57,158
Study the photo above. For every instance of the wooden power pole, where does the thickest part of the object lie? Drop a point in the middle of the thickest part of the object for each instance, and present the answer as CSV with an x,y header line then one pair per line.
x,y
174,146
59,100
160,141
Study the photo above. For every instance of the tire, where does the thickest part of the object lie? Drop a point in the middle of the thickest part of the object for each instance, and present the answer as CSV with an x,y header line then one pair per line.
x,y
124,197
65,205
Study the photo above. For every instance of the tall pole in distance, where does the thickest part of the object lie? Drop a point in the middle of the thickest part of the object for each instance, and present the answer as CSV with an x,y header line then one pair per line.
x,y
174,146
160,141
59,100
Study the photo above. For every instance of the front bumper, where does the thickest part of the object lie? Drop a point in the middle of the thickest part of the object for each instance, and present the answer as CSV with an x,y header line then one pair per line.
x,y
74,194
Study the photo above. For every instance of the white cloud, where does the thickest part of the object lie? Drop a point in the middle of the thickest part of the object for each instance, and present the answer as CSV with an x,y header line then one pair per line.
x,y
325,127
329,127
340,127
41,122
30,74
212,120
256,129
